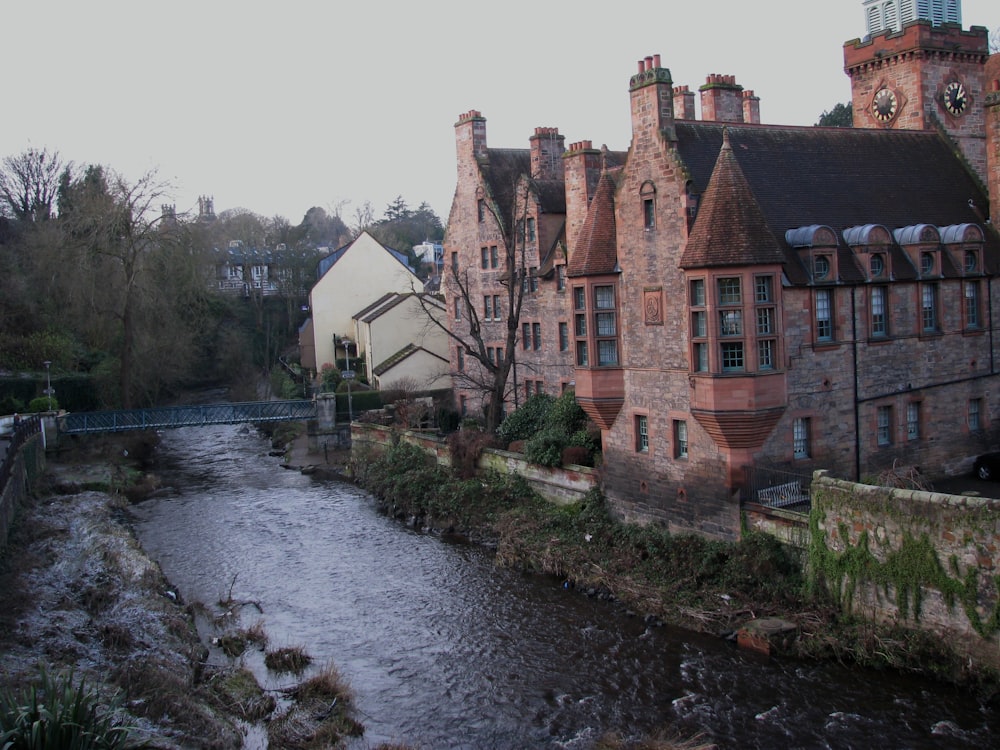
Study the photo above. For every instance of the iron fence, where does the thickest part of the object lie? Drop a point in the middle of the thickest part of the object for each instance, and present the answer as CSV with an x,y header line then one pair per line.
x,y
776,488
185,416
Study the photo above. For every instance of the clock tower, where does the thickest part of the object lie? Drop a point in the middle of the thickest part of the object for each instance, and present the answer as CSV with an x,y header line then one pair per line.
x,y
916,69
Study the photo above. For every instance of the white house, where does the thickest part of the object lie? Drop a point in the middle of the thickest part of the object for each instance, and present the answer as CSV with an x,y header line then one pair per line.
x,y
350,279
403,342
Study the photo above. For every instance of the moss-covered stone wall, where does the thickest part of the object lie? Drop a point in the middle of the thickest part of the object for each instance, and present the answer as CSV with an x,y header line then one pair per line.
x,y
926,560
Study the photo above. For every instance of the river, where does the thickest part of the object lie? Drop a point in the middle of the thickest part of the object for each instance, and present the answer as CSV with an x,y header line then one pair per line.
x,y
444,650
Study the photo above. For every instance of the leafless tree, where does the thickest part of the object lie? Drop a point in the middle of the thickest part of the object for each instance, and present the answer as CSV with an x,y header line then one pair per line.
x,y
29,183
485,373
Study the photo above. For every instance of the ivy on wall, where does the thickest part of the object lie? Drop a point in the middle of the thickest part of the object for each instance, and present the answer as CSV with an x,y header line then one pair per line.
x,y
908,570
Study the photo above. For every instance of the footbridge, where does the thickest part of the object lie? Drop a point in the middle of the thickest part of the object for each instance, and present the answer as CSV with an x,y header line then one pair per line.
x,y
167,417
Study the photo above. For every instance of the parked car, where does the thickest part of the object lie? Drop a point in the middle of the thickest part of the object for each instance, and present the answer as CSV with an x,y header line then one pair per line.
x,y
987,466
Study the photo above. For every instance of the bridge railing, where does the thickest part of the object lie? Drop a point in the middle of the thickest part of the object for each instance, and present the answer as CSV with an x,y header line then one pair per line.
x,y
168,417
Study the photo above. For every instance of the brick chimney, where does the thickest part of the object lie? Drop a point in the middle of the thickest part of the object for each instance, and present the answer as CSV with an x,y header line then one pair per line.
x,y
582,169
721,99
683,103
652,97
546,154
751,108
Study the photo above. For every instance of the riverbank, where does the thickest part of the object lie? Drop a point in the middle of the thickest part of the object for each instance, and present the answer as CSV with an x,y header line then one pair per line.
x,y
80,598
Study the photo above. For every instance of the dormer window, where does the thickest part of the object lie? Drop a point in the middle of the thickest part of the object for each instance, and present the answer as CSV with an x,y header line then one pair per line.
x,y
926,264
971,264
877,265
821,267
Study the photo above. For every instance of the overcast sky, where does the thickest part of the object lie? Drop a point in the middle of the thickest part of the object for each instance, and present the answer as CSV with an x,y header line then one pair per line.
x,y
279,106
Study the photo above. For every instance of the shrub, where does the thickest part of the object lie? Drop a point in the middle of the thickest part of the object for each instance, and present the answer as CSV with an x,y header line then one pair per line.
x,y
566,414
42,403
526,421
545,448
59,713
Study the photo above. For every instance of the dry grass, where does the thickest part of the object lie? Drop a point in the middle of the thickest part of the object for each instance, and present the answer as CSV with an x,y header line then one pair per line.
x,y
661,740
319,717
292,659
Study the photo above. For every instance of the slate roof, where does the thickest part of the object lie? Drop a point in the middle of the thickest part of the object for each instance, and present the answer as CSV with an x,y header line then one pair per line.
x,y
502,168
838,177
326,263
404,353
596,251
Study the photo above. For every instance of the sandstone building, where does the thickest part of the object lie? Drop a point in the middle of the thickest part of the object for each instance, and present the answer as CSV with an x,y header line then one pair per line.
x,y
733,300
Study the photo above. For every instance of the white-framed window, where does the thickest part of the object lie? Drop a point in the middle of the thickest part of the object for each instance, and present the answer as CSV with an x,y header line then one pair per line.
x,y
928,308
879,322
971,304
563,336
800,437
883,425
975,419
824,315
913,420
605,325
642,433
680,438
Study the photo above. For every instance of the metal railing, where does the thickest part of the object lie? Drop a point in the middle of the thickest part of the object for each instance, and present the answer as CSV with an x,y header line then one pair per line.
x,y
775,488
185,416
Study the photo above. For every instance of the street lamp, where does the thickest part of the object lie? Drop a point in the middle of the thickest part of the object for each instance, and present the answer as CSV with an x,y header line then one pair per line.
x,y
48,383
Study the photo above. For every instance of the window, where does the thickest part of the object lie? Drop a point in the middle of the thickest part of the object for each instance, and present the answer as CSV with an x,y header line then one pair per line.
x,y
680,439
563,336
729,291
581,353
883,425
824,315
605,325
913,420
481,210
499,355
765,354
560,278
642,433
928,307
972,304
460,358
458,308
701,357
536,336
698,293
877,265
533,276
526,336
531,230
762,290
454,262
730,322
463,405
648,213
484,257
496,307
699,324
926,263
491,355
879,326
800,437
971,261
494,257
821,267
487,307
975,414
732,356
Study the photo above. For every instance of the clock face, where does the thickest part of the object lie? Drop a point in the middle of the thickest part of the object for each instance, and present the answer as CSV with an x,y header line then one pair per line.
x,y
884,105
955,98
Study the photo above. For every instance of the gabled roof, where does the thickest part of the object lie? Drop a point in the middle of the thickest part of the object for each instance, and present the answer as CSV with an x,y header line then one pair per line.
x,y
407,351
387,302
837,177
503,168
325,264
596,251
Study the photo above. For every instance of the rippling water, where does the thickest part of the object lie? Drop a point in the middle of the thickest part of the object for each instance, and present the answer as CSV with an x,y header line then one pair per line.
x,y
444,650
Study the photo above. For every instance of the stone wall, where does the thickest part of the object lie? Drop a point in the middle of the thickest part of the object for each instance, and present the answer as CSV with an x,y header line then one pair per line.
x,y
21,467
561,485
923,559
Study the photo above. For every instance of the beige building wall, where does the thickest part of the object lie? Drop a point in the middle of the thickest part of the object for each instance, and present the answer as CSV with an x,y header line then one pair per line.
x,y
364,272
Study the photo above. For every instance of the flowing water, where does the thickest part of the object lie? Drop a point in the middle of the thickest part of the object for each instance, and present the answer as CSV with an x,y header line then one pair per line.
x,y
444,650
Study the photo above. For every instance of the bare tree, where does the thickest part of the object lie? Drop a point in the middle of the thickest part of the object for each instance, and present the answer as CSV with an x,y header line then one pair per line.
x,y
29,183
487,372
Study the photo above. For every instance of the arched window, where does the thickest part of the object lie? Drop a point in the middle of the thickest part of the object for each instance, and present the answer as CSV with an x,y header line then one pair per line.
x,y
647,194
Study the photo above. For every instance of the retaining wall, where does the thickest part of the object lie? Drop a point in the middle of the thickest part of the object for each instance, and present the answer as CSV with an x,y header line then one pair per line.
x,y
23,463
926,560
561,485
